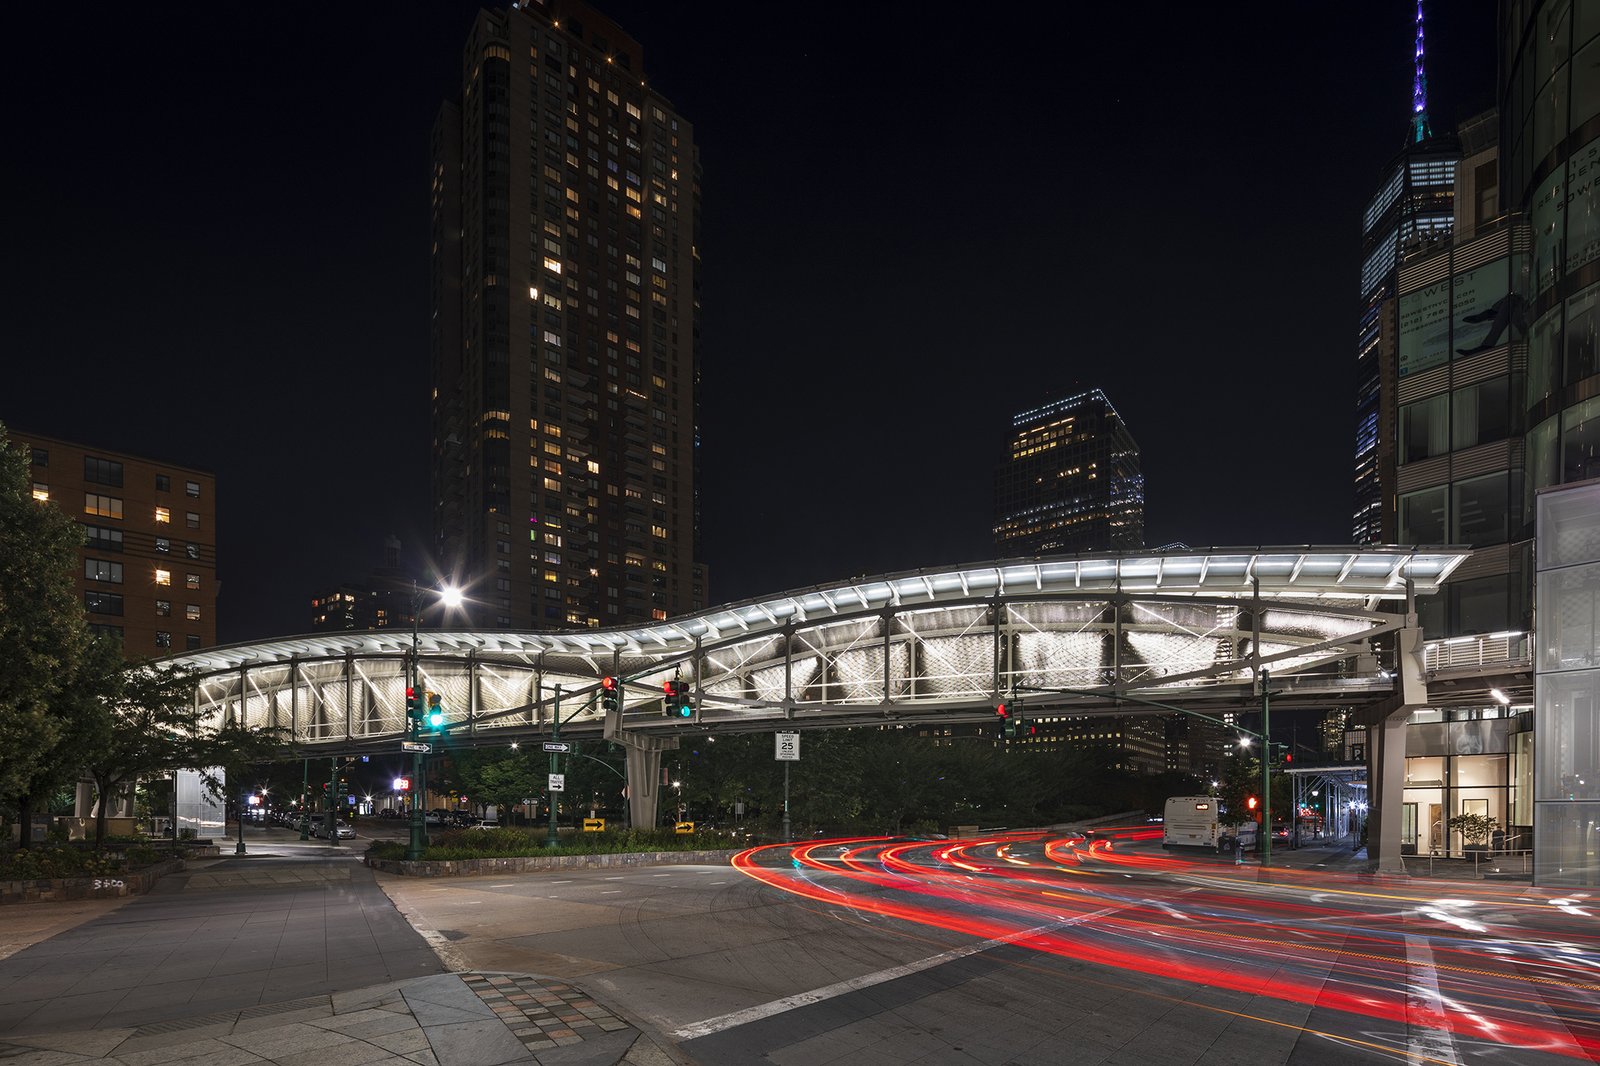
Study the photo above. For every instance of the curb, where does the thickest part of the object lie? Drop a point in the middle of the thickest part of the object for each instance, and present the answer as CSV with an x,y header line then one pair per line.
x,y
530,863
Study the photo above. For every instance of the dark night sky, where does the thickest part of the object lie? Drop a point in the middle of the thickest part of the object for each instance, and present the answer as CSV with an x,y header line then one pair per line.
x,y
913,227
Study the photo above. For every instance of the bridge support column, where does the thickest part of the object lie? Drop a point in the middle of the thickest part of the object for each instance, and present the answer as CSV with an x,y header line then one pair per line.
x,y
644,769
1386,757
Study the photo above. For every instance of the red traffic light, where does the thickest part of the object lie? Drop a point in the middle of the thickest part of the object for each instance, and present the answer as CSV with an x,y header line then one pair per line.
x,y
672,688
411,693
1251,802
1003,711
609,684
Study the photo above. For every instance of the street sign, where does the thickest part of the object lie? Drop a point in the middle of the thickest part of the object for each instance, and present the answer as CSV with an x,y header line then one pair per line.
x,y
788,747
685,829
594,825
558,782
557,745
416,746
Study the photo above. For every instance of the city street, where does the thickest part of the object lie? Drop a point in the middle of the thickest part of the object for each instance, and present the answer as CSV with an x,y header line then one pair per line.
x,y
1019,950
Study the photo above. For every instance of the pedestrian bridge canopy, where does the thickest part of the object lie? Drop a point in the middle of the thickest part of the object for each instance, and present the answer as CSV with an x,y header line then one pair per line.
x,y
922,646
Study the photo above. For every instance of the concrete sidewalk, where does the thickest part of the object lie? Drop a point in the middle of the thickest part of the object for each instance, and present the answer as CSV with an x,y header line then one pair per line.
x,y
467,1019
292,955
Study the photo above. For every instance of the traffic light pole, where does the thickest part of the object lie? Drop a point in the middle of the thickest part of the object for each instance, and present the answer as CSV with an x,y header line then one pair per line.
x,y
553,840
417,842
1266,769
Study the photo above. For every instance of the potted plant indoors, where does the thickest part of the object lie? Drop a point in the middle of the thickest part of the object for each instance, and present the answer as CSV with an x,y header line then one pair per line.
x,y
1475,830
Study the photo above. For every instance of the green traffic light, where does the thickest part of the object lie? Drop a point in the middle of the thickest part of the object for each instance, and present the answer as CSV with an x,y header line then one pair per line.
x,y
436,719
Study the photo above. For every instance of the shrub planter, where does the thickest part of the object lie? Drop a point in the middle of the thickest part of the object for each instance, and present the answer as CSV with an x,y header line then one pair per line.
x,y
529,863
108,886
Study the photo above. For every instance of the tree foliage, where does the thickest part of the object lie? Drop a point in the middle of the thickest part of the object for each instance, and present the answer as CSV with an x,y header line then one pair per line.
x,y
42,629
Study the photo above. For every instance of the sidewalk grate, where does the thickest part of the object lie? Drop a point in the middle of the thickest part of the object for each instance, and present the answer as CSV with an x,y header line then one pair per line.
x,y
179,1024
281,1008
543,1014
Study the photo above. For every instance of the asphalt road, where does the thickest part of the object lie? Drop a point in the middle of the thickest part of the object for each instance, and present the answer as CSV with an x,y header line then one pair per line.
x,y
1027,950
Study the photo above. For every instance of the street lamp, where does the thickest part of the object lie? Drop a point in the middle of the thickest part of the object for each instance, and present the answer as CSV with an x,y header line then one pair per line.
x,y
451,597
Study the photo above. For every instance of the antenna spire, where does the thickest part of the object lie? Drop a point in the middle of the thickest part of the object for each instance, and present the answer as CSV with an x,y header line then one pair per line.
x,y
1421,129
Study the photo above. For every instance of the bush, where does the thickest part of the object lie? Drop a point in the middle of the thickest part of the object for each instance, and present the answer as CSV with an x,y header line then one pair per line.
x,y
38,864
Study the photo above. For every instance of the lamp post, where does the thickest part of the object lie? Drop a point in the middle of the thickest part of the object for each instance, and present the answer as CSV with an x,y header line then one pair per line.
x,y
239,850
450,597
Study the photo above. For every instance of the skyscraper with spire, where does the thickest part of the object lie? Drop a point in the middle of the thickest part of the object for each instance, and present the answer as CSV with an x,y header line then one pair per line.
x,y
1414,205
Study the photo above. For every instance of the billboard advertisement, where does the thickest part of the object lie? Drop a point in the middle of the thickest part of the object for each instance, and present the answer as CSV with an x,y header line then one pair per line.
x,y
1424,328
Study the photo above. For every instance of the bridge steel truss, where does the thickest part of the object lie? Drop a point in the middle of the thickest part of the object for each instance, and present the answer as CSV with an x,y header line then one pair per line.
x,y
937,646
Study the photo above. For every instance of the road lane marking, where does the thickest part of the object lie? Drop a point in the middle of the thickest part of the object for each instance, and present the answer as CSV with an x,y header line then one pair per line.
x,y
1425,1011
503,886
719,882
855,984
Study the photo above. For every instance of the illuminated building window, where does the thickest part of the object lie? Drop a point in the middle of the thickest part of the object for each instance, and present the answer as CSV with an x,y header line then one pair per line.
x,y
192,612
192,581
163,514
102,506
163,608
163,577
41,492
192,488
163,639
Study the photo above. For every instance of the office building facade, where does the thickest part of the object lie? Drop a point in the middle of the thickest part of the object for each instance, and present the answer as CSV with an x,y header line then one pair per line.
x,y
1070,481
1550,109
565,319
147,572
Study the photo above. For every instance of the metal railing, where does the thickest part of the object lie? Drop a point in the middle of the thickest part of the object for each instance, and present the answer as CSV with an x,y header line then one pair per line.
x,y
1496,860
1478,652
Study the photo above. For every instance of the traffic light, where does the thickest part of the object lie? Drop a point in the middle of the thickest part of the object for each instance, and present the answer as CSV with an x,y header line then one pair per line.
x,y
413,712
1251,803
1008,723
676,703
435,713
608,694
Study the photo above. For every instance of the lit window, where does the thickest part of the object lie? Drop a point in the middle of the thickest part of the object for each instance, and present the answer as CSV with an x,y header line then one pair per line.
x,y
163,544
163,639
163,514
41,492
192,581
103,506
163,577
192,612
163,608
192,488
552,265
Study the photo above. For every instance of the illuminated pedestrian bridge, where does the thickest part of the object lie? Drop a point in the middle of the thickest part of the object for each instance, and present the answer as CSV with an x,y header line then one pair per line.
x,y
937,645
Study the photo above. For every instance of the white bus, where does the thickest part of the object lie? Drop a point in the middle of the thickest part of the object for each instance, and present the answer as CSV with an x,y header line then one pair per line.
x,y
1191,822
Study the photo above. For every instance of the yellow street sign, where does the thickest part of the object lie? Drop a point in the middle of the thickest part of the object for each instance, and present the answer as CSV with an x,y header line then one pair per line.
x,y
594,825
685,829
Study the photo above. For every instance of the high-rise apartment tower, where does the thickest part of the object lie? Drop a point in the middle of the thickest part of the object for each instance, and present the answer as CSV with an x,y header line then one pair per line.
x,y
565,315
1414,205
1070,481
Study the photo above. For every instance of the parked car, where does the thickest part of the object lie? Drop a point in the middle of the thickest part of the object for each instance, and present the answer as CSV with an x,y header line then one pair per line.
x,y
436,819
480,823
319,829
389,812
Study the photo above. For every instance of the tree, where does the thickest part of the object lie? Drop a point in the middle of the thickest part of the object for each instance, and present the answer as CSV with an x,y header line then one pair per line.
x,y
143,725
41,621
1241,780
74,709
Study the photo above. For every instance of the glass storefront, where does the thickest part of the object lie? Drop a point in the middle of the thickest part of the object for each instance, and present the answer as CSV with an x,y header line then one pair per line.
x,y
1460,762
1566,760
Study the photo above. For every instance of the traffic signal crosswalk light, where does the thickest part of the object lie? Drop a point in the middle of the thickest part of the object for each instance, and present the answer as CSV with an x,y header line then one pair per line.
x,y
609,698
